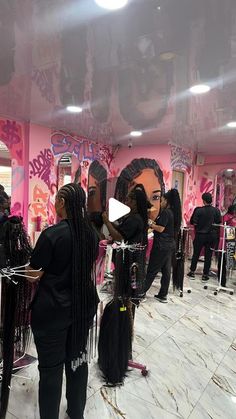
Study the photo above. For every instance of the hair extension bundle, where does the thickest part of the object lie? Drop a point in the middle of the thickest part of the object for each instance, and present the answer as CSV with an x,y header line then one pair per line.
x,y
15,317
115,341
178,262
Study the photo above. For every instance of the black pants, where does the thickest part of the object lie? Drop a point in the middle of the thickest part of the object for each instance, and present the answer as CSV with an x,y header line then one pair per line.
x,y
208,241
52,356
160,261
223,277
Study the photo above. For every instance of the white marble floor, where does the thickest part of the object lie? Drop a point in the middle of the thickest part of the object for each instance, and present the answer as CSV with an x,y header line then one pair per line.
x,y
189,347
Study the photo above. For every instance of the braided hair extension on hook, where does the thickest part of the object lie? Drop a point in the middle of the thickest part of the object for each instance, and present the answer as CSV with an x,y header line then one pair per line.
x,y
15,316
116,330
84,252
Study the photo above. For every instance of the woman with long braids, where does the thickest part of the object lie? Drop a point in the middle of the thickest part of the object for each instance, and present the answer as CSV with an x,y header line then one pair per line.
x,y
65,304
115,341
166,229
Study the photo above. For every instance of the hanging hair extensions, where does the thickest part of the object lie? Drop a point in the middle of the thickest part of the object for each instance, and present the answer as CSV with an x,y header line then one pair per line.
x,y
115,340
173,199
15,298
84,252
178,261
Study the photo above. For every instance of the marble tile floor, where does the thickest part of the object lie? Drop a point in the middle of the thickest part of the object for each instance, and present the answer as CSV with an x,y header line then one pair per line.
x,y
189,347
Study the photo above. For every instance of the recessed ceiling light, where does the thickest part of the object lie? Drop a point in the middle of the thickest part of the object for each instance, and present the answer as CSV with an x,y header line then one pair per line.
x,y
74,109
198,89
111,4
229,170
231,124
136,133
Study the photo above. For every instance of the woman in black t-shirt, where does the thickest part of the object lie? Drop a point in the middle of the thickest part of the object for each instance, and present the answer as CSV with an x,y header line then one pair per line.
x,y
65,304
166,229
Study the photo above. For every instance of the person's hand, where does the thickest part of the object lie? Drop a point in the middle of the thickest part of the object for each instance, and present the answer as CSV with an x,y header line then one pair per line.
x,y
105,217
150,222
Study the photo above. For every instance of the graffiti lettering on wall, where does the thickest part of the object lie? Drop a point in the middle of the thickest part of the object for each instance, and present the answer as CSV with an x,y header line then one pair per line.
x,y
81,148
39,204
41,166
10,133
181,159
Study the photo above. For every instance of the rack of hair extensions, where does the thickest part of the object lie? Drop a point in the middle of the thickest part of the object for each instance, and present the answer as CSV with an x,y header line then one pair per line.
x,y
178,263
15,294
226,257
116,328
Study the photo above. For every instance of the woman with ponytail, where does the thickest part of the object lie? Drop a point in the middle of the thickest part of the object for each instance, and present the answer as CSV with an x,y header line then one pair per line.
x,y
166,229
65,304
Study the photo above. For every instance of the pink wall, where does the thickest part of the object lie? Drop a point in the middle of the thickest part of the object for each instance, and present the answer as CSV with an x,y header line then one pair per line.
x,y
15,135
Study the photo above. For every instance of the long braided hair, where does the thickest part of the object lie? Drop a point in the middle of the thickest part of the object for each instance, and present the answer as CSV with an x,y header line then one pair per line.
x,y
84,252
138,193
173,199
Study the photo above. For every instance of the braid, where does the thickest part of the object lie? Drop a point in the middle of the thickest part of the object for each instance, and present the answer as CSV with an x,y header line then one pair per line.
x,y
142,207
83,258
173,199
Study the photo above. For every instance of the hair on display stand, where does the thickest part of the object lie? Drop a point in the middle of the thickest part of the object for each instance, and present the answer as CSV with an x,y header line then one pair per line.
x,y
227,251
118,315
16,334
179,262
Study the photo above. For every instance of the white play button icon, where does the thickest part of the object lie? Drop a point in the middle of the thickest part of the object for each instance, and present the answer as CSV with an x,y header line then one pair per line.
x,y
117,210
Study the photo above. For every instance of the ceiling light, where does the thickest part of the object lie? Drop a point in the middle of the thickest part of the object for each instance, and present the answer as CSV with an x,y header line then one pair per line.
x,y
136,133
231,124
74,109
230,170
111,4
198,89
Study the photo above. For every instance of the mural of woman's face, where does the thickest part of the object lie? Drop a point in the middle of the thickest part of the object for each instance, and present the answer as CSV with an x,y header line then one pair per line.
x,y
152,186
94,195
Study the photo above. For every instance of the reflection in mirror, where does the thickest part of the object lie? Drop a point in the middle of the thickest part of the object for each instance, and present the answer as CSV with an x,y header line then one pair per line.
x,y
225,189
97,195
64,170
77,178
97,187
5,176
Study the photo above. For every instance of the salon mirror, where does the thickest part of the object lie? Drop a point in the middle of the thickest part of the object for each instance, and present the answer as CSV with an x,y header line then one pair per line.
x,y
225,189
64,170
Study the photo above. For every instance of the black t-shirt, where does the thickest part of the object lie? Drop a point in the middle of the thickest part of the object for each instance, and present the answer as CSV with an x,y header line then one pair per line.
x,y
204,217
51,307
166,219
132,228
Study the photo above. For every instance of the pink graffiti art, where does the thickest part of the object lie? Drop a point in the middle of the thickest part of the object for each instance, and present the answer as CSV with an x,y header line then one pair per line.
x,y
41,166
39,205
10,133
206,184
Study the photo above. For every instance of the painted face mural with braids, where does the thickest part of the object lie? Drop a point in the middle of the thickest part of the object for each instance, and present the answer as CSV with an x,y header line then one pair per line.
x,y
142,171
97,184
